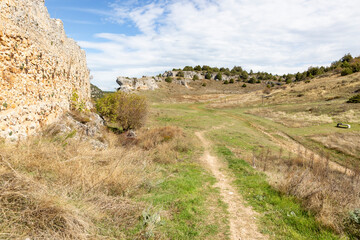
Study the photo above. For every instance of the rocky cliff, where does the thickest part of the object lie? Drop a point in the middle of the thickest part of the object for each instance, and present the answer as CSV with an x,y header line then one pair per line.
x,y
40,68
133,84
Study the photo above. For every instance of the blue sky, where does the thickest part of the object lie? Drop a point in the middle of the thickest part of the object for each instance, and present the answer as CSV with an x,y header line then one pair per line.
x,y
135,38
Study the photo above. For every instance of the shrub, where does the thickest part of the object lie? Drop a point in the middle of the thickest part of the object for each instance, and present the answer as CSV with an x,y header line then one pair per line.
x,y
288,81
197,68
123,111
252,80
244,85
346,71
347,58
218,76
208,75
244,75
180,74
206,68
204,84
226,82
188,68
354,99
355,67
231,81
168,79
196,77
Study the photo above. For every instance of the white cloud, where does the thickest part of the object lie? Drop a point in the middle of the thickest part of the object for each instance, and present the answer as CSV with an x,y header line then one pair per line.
x,y
276,36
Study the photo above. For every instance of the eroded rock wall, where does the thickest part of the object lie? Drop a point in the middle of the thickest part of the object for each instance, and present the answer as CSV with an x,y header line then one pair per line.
x,y
40,68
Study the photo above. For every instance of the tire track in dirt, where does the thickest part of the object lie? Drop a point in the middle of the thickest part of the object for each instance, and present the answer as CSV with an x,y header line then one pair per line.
x,y
242,219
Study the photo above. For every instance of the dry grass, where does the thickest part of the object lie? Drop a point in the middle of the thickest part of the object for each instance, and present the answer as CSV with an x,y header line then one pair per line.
x,y
348,143
331,195
27,209
300,119
60,187
163,144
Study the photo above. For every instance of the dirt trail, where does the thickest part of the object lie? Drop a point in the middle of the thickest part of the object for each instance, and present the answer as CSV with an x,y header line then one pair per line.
x,y
242,218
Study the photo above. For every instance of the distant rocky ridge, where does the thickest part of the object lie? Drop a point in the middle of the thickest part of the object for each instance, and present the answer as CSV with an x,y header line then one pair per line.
x,y
41,70
132,84
151,83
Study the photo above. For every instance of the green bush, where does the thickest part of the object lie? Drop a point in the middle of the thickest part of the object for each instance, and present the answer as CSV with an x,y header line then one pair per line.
x,y
244,75
244,85
122,111
347,58
252,80
354,99
355,67
226,82
168,79
231,81
204,84
180,74
196,77
198,68
208,75
346,71
218,76
188,68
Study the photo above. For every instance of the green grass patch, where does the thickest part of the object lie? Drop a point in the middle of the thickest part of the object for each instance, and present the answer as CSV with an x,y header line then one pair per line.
x,y
282,216
184,196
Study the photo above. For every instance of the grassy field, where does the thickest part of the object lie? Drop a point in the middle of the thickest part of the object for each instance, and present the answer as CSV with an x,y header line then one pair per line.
x,y
291,134
288,162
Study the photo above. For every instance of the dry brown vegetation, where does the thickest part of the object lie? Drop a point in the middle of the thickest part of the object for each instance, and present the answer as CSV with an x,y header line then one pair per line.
x,y
348,143
330,194
51,188
300,119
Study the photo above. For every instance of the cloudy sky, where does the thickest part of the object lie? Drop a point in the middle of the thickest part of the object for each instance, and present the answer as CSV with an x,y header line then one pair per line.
x,y
135,38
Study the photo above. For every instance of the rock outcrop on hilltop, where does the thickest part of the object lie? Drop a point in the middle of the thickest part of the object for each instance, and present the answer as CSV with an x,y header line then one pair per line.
x,y
151,83
133,84
40,68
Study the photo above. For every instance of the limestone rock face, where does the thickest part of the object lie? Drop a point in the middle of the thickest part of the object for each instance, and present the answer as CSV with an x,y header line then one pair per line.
x,y
40,68
134,84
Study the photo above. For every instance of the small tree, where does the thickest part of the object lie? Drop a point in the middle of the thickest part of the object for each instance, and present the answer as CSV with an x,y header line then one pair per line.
x,y
188,68
231,81
168,79
244,85
347,58
123,111
208,75
244,75
197,68
226,82
196,77
218,76
346,71
180,74
252,80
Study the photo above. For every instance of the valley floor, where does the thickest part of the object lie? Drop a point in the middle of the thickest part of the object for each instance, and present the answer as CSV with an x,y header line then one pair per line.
x,y
205,166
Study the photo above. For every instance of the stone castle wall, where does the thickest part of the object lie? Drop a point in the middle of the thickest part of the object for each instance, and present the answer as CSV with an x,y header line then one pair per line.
x,y
40,68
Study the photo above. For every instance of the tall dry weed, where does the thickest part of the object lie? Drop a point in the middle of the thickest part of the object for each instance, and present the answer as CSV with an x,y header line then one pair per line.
x,y
330,194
